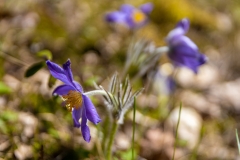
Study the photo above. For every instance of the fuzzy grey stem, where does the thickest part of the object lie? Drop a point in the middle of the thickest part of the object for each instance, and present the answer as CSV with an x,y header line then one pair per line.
x,y
162,49
121,118
96,92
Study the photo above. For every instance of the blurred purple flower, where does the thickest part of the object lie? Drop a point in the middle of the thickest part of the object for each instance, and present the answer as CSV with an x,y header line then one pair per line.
x,y
163,82
76,102
182,50
130,16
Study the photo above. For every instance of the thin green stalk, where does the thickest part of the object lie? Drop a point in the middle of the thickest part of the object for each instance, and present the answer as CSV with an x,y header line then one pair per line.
x,y
133,136
238,141
110,142
106,128
176,134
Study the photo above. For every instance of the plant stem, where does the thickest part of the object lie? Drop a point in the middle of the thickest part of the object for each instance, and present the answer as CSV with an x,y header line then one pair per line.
x,y
133,136
238,144
163,49
110,142
96,92
173,157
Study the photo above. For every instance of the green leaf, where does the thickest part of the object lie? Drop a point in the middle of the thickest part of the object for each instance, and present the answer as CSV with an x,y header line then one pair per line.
x,y
34,68
127,155
54,133
3,127
45,54
9,116
4,89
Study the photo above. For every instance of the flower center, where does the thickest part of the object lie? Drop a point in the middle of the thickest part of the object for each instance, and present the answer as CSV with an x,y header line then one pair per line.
x,y
73,100
138,16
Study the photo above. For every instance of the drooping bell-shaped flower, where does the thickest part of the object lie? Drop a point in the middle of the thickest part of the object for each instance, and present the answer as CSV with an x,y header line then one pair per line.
x,y
182,50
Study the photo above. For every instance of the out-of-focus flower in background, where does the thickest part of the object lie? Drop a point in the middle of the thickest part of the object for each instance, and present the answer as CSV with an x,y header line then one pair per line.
x,y
163,81
182,50
130,16
74,98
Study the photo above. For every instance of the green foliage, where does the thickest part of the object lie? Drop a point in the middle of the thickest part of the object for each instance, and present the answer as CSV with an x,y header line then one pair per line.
x,y
4,89
46,54
127,155
3,126
7,117
34,68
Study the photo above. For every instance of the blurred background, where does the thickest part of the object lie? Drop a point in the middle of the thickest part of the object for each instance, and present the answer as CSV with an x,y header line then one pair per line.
x,y
34,125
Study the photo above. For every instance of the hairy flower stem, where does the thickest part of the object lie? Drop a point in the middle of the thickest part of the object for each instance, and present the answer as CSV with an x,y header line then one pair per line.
x,y
163,49
96,92
111,138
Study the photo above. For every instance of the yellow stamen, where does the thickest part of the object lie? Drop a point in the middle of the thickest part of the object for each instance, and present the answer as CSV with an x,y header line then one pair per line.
x,y
73,100
138,16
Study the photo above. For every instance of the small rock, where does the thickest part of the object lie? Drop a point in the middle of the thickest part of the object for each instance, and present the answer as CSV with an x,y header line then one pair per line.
x,y
189,126
123,142
29,124
207,75
185,77
23,152
156,143
12,82
190,98
149,101
226,94
4,145
3,102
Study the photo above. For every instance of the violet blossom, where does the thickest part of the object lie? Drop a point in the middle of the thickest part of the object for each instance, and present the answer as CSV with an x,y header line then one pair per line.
x,y
76,101
130,16
182,50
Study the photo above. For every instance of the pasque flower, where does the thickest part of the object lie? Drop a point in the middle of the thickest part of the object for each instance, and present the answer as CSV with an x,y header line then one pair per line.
x,y
130,16
76,101
182,50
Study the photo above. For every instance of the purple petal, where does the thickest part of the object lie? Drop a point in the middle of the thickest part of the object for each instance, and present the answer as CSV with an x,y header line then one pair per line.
x,y
202,59
115,17
91,112
78,86
67,70
183,51
181,28
183,55
127,8
184,24
63,89
174,34
146,8
84,128
170,84
183,41
76,115
69,75
57,72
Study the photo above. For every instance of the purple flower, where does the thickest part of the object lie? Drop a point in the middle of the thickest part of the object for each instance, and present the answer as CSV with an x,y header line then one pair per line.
x,y
76,101
182,50
130,16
